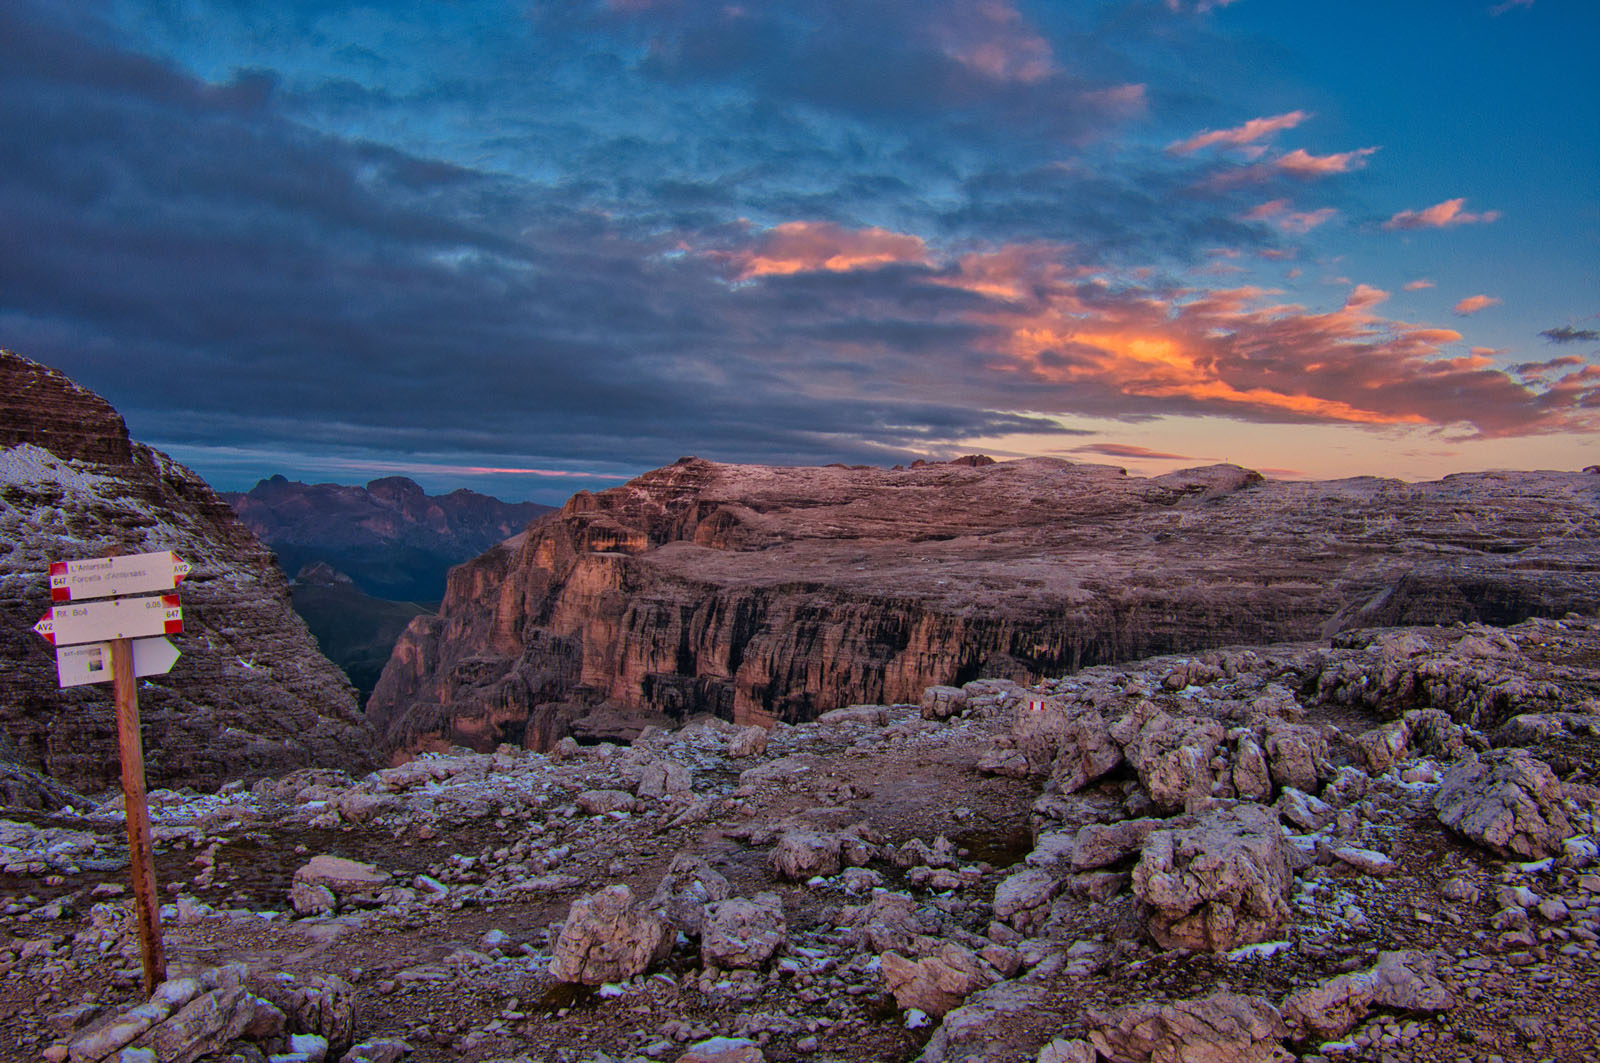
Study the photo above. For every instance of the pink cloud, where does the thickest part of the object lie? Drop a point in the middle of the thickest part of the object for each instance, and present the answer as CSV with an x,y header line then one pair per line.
x,y
1127,450
1473,303
1301,163
1277,213
992,38
1240,135
1439,216
1417,285
1119,101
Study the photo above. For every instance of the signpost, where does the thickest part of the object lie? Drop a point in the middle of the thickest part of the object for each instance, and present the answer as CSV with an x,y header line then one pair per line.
x,y
119,640
120,618
101,577
91,662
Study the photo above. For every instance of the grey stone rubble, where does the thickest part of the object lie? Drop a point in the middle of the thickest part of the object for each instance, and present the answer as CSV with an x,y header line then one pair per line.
x,y
1245,856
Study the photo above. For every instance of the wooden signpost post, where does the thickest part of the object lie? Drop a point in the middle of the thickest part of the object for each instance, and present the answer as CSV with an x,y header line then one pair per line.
x,y
119,640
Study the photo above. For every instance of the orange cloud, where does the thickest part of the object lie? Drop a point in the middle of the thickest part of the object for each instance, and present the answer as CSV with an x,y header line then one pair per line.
x,y
1417,285
818,246
1277,213
1300,163
1473,303
1439,216
1055,336
1240,135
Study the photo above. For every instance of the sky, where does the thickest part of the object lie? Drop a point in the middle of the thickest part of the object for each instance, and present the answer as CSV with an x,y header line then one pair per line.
x,y
531,248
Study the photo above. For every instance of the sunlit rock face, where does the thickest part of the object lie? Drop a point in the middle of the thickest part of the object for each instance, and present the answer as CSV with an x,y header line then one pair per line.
x,y
759,593
250,695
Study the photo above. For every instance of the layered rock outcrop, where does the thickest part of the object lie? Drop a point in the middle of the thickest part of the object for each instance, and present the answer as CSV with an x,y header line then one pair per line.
x,y
250,695
760,593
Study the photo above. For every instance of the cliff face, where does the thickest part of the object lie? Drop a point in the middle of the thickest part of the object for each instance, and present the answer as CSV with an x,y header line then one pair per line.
x,y
761,593
395,540
250,696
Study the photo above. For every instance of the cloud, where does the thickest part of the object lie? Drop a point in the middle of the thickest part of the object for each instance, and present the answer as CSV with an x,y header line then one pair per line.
x,y
1473,303
1126,450
799,246
1277,212
992,37
1300,163
1440,216
1500,9
1199,7
1568,334
1539,370
1241,135
1417,285
1130,349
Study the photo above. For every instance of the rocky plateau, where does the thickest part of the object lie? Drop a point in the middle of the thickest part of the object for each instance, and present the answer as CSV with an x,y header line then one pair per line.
x,y
759,593
1381,847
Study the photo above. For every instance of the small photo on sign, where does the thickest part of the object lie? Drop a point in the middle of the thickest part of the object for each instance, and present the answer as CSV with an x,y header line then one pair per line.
x,y
96,663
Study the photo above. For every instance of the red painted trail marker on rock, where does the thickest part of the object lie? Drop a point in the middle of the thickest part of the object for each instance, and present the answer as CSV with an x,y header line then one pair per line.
x,y
119,640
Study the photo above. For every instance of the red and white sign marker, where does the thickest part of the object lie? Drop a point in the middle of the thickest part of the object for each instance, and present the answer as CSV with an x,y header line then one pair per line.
x,y
121,618
102,577
91,662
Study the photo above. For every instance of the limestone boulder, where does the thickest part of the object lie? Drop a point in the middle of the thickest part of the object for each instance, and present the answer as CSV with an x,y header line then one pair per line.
x,y
1406,981
601,802
943,702
1217,885
1172,754
1297,755
1220,1028
724,1050
802,852
748,742
1252,780
743,932
688,885
340,876
608,937
1508,801
664,778
936,982
1023,899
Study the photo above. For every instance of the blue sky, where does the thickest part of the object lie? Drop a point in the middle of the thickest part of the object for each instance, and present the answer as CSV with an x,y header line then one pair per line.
x,y
530,248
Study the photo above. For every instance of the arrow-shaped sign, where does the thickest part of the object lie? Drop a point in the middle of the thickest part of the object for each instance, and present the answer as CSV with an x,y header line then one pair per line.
x,y
122,618
91,662
102,577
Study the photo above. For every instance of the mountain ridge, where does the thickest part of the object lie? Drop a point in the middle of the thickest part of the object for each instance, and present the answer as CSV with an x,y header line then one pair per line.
x,y
392,538
763,592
